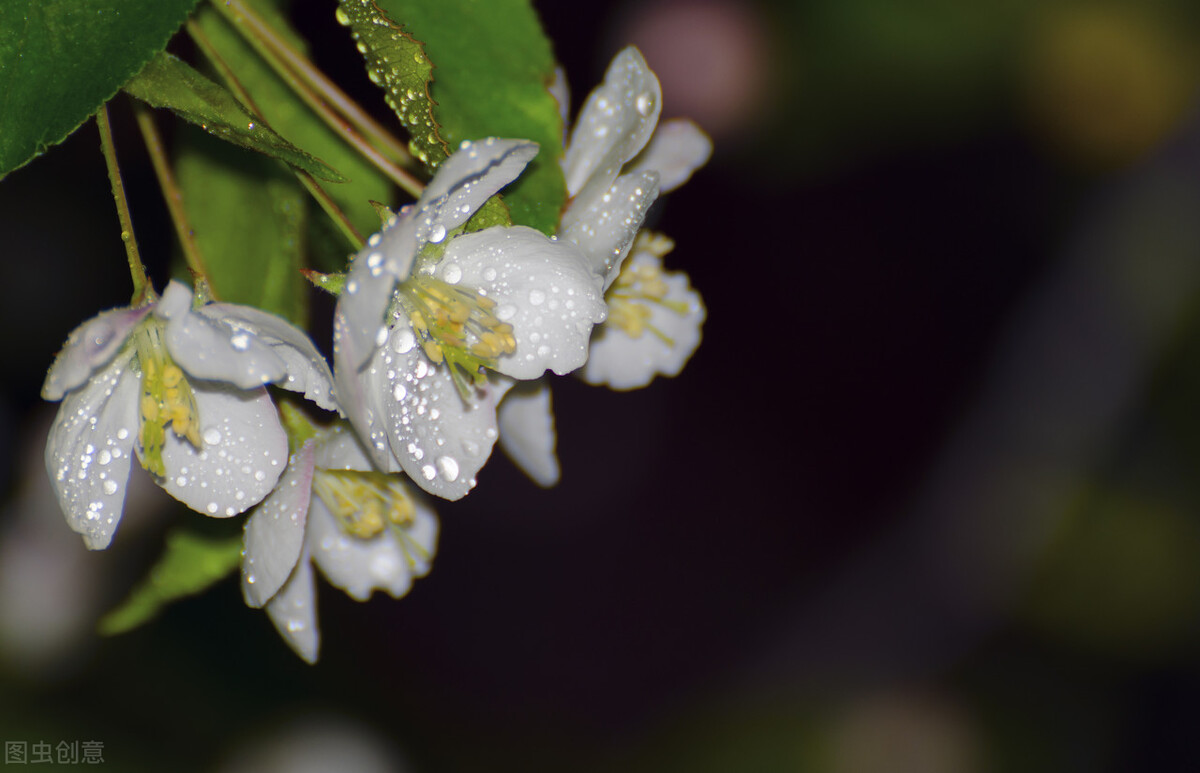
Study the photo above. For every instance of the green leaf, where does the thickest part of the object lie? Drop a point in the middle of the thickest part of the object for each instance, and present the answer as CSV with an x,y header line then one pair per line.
x,y
248,214
491,70
60,60
167,82
290,117
189,564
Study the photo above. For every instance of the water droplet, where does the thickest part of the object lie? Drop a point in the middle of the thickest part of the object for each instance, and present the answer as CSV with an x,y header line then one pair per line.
x,y
536,297
449,467
452,273
404,341
644,104
212,436
260,476
437,234
212,507
381,336
241,342
110,487
429,472
489,274
399,392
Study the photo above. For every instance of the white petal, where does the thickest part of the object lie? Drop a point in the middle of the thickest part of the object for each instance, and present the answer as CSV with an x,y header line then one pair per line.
x,y
368,289
606,229
542,287
527,431
307,371
293,610
340,449
244,453
437,438
388,562
466,180
622,362
560,89
212,349
678,148
359,393
89,450
89,346
613,126
274,535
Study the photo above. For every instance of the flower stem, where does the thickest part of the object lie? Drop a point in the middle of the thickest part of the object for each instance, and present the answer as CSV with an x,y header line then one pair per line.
x,y
345,117
137,271
171,193
314,188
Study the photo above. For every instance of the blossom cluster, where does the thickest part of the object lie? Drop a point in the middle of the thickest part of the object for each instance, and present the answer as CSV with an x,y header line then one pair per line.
x,y
434,327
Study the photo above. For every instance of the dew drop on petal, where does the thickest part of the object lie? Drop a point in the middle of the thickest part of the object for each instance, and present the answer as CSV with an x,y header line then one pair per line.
x,y
537,297
449,467
241,342
212,436
404,341
381,336
644,104
437,234
429,472
452,273
110,487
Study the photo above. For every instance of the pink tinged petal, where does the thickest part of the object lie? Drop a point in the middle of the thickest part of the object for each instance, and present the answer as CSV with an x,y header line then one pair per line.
x,y
605,230
293,610
244,453
307,371
613,126
89,347
527,431
542,287
438,439
389,561
89,450
467,179
274,535
622,362
677,149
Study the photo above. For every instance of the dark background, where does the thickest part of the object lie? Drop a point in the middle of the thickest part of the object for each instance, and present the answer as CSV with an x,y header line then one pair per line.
x,y
925,498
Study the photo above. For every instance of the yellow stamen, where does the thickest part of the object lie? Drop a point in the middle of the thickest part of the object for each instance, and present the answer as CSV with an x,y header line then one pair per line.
x,y
365,503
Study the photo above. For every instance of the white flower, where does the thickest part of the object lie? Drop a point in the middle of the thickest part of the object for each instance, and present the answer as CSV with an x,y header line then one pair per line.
x,y
618,159
426,312
127,374
654,320
361,527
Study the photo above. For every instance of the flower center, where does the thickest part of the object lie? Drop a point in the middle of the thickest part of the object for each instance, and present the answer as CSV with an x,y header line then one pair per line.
x,y
456,326
364,503
639,286
166,398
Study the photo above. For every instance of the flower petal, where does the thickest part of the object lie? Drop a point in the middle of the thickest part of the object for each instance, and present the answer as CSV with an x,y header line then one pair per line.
x,y
527,431
88,347
340,449
542,287
389,561
89,450
466,180
359,393
614,125
606,229
363,303
213,349
244,452
307,371
293,610
274,536
623,362
439,439
678,148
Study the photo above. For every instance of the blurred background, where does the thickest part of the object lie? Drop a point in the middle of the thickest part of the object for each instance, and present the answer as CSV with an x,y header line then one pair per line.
x,y
926,498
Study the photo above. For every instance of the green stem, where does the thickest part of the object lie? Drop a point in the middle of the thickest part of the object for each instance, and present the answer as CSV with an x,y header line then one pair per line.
x,y
346,118
137,271
171,194
312,186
